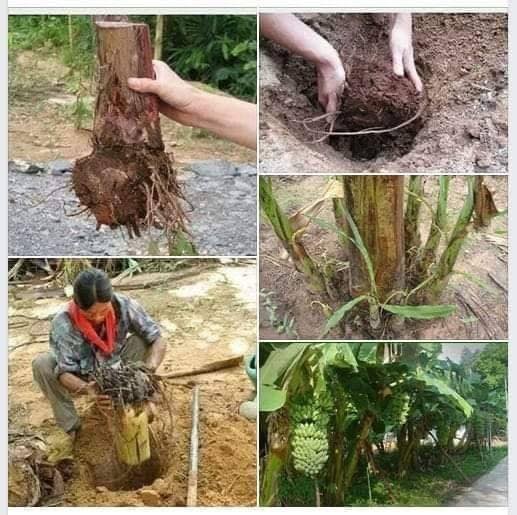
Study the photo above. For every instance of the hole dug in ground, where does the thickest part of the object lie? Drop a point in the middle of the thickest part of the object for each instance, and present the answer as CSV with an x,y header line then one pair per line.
x,y
116,476
96,455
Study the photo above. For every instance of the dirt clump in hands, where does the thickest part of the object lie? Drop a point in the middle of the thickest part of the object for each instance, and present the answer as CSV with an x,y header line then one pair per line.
x,y
376,99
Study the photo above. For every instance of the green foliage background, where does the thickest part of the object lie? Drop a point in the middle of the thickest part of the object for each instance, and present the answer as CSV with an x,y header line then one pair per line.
x,y
219,50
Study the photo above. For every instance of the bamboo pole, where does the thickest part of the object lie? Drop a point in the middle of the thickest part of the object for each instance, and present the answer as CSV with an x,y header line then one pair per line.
x,y
158,38
210,367
194,450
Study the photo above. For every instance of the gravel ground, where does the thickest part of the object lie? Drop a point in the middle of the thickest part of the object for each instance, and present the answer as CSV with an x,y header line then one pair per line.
x,y
222,216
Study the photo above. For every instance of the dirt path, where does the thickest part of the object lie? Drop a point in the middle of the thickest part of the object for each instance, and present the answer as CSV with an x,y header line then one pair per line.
x,y
489,490
465,124
207,317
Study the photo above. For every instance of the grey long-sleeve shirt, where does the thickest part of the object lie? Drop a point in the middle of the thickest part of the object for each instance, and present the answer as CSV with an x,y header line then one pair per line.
x,y
76,355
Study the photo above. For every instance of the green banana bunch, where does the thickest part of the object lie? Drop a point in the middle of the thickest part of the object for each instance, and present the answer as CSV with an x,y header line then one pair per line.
x,y
309,449
397,410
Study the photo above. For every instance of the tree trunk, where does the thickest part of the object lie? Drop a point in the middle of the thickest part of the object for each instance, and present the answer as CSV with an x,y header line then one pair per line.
x,y
290,240
334,489
376,204
158,37
454,245
484,205
352,458
276,458
406,453
437,229
128,179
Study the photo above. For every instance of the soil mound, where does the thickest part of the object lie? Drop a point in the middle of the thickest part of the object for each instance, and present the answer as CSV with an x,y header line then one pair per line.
x,y
376,99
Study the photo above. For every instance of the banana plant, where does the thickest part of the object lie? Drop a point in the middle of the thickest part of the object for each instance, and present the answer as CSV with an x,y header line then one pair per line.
x,y
392,274
335,399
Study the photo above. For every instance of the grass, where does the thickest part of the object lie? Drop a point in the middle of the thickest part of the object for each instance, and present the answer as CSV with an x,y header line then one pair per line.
x,y
433,487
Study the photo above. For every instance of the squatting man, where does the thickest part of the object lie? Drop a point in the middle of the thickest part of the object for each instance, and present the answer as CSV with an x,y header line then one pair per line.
x,y
97,326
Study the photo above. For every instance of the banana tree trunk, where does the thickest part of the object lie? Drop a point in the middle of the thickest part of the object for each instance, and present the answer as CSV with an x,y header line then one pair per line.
x,y
334,490
376,205
437,229
274,463
288,237
408,452
275,460
352,458
456,241
128,179
412,217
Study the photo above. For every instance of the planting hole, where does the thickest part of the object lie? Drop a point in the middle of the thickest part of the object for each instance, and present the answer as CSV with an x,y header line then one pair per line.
x,y
117,476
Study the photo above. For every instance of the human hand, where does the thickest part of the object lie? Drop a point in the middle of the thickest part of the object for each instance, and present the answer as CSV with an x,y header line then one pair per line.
x,y
103,402
152,410
177,96
226,117
401,46
331,83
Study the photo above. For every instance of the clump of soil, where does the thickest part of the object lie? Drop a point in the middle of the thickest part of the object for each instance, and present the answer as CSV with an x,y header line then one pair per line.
x,y
130,186
376,99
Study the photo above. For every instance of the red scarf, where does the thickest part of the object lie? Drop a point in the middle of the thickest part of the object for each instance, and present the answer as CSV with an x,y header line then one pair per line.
x,y
90,334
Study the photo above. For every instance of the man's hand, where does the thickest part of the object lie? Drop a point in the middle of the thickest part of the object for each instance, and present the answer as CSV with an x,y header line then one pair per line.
x,y
331,83
297,37
401,46
179,96
227,117
104,402
156,355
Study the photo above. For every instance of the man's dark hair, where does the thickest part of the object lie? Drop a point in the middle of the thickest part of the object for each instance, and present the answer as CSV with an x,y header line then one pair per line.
x,y
91,286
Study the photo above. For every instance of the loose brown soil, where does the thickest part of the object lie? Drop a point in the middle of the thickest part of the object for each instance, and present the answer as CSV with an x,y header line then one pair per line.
x,y
207,317
376,98
462,60
478,288
130,186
